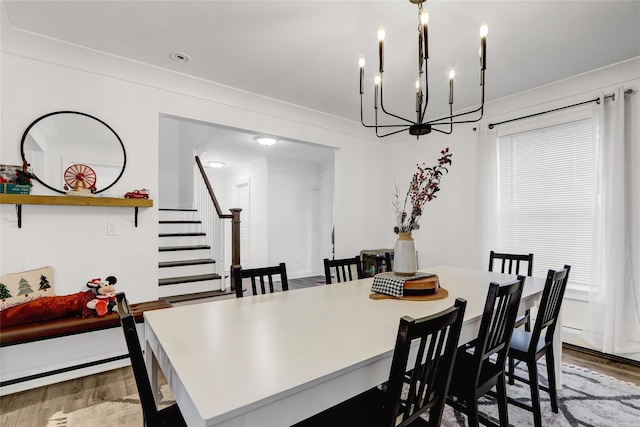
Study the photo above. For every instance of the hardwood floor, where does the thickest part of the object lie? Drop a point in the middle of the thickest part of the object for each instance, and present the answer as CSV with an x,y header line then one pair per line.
x,y
34,407
622,369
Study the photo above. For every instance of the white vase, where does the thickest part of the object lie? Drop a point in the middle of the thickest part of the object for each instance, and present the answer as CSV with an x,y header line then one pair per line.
x,y
404,255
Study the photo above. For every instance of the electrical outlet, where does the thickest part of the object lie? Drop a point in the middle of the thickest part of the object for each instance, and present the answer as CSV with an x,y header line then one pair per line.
x,y
112,228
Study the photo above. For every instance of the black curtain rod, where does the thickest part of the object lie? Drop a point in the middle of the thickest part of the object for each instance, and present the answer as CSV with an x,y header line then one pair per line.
x,y
597,100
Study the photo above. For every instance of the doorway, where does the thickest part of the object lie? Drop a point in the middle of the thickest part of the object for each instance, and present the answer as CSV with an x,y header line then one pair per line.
x,y
285,190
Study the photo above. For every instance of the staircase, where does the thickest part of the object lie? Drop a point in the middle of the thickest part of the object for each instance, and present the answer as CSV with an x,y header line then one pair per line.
x,y
187,268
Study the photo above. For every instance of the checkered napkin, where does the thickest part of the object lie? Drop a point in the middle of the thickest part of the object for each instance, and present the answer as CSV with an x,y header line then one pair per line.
x,y
392,284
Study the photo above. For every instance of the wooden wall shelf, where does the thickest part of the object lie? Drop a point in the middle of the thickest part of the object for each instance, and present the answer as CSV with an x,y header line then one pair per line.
x,y
28,199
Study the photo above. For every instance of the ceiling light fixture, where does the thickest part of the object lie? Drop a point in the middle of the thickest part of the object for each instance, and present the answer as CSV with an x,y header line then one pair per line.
x,y
419,126
262,140
216,164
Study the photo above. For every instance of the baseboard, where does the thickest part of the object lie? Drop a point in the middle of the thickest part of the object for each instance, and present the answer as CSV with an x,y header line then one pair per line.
x,y
45,362
607,356
64,374
572,337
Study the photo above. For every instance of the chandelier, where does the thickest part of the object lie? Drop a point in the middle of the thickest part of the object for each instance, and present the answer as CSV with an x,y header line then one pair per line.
x,y
420,126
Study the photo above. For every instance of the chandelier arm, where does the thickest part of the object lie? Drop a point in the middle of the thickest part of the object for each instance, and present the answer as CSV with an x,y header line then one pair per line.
x,y
438,122
384,126
449,132
375,126
480,109
391,114
458,122
387,126
450,123
392,133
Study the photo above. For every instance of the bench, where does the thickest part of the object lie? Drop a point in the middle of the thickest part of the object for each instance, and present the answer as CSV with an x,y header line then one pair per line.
x,y
30,336
71,325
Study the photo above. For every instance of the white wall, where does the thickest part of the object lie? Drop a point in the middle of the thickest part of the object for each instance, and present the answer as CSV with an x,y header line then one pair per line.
x,y
447,224
168,167
327,192
297,219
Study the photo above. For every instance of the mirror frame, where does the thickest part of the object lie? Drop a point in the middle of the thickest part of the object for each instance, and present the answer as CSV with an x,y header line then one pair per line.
x,y
26,132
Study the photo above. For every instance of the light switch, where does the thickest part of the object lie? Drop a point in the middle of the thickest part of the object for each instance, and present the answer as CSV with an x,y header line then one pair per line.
x,y
112,228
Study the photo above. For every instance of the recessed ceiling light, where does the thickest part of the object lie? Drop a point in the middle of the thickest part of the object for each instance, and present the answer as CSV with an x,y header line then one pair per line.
x,y
216,164
262,140
180,57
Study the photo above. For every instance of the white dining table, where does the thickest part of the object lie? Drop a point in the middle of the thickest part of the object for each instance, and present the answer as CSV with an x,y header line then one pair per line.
x,y
276,359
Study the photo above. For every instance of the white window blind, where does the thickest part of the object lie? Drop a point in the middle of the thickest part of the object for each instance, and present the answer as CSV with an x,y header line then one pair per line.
x,y
546,195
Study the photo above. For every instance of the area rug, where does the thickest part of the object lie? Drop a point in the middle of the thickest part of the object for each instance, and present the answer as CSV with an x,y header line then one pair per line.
x,y
588,399
124,412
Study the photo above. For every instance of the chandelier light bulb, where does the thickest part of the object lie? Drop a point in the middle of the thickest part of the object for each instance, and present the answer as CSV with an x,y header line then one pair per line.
x,y
361,61
484,30
418,84
424,17
377,79
423,38
451,75
381,33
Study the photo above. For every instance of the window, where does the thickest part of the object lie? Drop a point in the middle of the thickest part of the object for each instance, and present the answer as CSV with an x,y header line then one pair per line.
x,y
546,195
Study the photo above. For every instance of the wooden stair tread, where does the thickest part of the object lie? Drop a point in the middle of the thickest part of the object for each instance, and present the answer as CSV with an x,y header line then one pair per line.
x,y
166,264
183,248
197,295
188,234
187,279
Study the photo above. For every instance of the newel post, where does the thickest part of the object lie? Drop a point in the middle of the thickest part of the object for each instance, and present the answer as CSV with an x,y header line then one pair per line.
x,y
235,242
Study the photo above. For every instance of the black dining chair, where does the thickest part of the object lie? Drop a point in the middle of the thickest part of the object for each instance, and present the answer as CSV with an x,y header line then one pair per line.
x,y
417,385
342,269
260,274
480,364
529,347
169,416
510,264
388,261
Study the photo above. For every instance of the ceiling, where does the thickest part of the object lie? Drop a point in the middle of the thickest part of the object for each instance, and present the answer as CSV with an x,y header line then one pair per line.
x,y
234,147
306,52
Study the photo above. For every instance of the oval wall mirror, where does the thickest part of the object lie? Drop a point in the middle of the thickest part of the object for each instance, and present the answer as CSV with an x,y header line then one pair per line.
x,y
59,140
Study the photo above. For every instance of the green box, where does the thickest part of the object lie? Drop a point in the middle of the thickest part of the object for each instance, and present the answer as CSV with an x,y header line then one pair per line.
x,y
15,189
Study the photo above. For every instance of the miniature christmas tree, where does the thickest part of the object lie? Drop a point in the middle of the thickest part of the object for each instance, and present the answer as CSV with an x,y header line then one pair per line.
x,y
24,287
4,292
44,283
